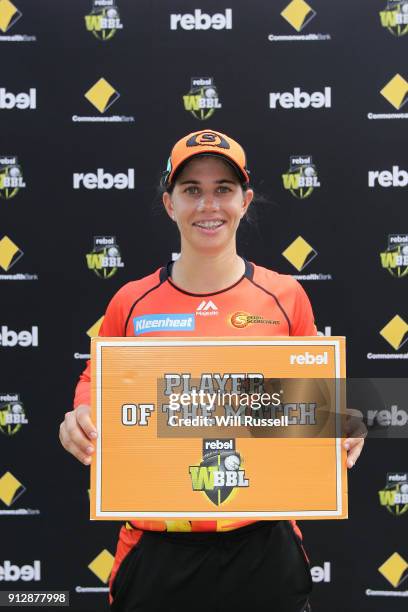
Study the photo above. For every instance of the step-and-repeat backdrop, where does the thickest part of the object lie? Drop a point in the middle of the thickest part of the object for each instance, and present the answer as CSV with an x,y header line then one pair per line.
x,y
93,93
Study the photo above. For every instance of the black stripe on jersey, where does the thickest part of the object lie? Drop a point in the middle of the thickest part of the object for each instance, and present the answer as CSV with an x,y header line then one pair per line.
x,y
277,303
139,299
165,273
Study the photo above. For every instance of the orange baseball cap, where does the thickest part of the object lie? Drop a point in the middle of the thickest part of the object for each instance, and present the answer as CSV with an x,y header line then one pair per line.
x,y
206,142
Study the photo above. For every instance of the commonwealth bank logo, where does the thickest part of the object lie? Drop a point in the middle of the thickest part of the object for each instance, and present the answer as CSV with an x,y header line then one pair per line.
x,y
395,332
9,15
394,570
298,14
94,329
394,17
10,489
396,91
9,253
299,253
102,95
102,565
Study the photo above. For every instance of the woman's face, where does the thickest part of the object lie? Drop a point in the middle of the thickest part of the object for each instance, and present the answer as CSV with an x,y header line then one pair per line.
x,y
207,203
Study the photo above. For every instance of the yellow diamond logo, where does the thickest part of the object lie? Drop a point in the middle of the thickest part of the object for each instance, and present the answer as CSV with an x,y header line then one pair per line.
x,y
9,253
298,13
10,488
102,95
394,569
299,253
101,566
94,329
396,91
9,14
395,332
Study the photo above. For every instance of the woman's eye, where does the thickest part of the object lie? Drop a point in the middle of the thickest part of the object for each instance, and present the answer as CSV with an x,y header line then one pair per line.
x,y
192,190
223,189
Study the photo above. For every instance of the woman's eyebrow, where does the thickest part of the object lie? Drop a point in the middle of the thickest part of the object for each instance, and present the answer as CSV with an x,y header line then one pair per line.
x,y
218,181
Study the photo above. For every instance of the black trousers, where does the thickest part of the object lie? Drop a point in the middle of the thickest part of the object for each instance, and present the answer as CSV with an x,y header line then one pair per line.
x,y
260,567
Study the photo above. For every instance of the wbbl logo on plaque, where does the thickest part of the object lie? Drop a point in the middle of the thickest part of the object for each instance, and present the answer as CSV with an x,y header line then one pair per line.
x,y
219,473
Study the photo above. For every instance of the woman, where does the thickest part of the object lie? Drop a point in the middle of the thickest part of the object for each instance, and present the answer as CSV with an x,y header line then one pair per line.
x,y
205,565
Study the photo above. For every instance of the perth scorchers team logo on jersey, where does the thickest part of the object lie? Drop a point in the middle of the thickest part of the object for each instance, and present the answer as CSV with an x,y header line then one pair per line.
x,y
243,319
220,472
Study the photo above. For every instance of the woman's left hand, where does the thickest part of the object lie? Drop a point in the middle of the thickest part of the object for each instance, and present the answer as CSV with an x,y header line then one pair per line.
x,y
358,431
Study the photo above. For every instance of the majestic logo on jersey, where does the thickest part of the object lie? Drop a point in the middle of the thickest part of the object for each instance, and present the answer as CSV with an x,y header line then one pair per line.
x,y
394,17
11,177
394,496
219,473
243,319
104,19
301,178
12,414
207,308
202,100
164,322
395,258
105,258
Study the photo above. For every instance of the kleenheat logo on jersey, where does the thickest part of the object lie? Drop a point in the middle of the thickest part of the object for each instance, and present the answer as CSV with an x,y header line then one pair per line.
x,y
298,14
105,258
171,322
102,95
104,19
302,177
12,414
202,100
9,16
395,92
10,254
220,472
394,17
207,308
395,334
395,257
11,177
243,319
394,496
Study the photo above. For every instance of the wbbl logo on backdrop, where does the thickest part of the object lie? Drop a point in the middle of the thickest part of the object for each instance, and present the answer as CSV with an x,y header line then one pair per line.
x,y
394,496
103,20
202,100
395,257
301,178
394,17
219,474
12,414
105,258
11,177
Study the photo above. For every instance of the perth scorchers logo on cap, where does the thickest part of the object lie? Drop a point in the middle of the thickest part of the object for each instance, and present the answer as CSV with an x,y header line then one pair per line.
x,y
208,139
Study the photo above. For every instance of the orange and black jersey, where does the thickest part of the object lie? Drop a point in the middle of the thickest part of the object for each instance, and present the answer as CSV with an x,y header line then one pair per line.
x,y
260,303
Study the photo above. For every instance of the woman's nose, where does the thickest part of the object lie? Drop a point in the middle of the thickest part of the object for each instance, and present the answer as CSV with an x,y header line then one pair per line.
x,y
208,201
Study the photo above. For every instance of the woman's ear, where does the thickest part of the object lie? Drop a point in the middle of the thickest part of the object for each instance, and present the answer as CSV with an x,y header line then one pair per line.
x,y
168,205
248,197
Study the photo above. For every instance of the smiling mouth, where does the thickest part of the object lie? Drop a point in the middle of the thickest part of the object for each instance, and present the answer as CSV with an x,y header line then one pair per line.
x,y
209,225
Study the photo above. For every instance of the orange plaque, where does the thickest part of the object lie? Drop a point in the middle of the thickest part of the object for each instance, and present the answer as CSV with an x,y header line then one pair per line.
x,y
218,428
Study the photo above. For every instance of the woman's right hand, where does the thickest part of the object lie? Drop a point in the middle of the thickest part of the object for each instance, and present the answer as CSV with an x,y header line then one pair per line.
x,y
77,433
